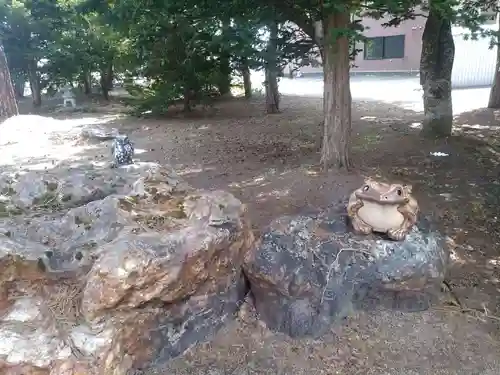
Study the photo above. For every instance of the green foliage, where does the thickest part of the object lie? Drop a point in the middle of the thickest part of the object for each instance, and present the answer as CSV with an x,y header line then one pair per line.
x,y
27,29
187,49
465,13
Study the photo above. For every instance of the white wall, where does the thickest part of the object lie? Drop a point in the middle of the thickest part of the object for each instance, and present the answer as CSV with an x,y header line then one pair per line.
x,y
474,63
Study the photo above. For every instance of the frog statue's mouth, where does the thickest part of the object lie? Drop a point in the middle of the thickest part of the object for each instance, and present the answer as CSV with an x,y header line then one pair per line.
x,y
381,199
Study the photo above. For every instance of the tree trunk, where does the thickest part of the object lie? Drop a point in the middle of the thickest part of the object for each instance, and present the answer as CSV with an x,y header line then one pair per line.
x,y
224,76
271,82
336,94
87,84
247,82
187,99
494,101
106,80
436,64
224,79
18,82
8,104
36,90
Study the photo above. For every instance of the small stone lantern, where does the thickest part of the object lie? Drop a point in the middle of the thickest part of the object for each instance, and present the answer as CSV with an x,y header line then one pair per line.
x,y
68,97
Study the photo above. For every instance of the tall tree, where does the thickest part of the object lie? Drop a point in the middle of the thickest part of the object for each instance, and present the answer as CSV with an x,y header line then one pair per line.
x,y
438,51
28,29
494,100
436,64
271,69
337,91
330,24
8,104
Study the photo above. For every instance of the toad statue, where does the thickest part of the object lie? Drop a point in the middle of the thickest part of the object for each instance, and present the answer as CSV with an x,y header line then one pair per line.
x,y
384,208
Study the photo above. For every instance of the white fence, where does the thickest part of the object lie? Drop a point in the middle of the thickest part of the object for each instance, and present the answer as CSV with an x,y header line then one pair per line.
x,y
474,64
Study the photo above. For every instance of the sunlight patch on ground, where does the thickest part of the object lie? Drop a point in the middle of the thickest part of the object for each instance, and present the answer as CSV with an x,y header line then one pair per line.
x,y
456,258
194,170
38,142
494,262
260,180
275,193
479,127
416,125
34,157
311,172
75,122
404,93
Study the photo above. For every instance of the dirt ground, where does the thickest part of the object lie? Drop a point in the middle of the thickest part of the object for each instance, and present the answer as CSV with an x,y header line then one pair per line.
x,y
270,163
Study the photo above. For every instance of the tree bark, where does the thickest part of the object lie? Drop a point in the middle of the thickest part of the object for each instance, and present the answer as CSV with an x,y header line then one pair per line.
x,y
106,80
224,79
224,76
187,99
494,101
18,83
247,82
8,104
436,64
87,84
271,82
34,78
336,94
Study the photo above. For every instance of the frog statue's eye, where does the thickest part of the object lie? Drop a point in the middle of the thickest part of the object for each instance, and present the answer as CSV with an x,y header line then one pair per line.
x,y
366,188
399,192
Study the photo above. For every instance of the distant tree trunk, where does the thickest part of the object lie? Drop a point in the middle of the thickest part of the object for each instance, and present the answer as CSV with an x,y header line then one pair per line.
x,y
494,101
224,79
224,74
87,83
271,82
106,80
436,64
8,104
18,82
34,78
336,94
247,82
187,99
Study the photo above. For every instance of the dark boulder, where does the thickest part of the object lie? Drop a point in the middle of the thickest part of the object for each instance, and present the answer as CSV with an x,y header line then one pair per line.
x,y
310,271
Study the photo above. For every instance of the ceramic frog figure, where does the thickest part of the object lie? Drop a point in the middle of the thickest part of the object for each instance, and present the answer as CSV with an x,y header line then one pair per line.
x,y
384,208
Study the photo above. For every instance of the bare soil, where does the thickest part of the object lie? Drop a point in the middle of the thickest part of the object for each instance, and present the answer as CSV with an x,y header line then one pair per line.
x,y
270,163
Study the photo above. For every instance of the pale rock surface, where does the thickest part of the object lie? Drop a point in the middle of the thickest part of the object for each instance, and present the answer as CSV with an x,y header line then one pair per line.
x,y
114,270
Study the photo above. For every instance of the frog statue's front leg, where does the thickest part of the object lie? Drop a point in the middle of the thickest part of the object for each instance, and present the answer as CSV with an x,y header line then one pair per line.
x,y
410,213
358,225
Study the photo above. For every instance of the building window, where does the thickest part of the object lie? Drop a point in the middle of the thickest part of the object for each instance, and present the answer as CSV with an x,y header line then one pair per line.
x,y
385,47
490,16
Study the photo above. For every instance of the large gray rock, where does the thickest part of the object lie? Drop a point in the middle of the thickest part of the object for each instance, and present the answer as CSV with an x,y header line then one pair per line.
x,y
310,271
124,282
98,133
65,186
